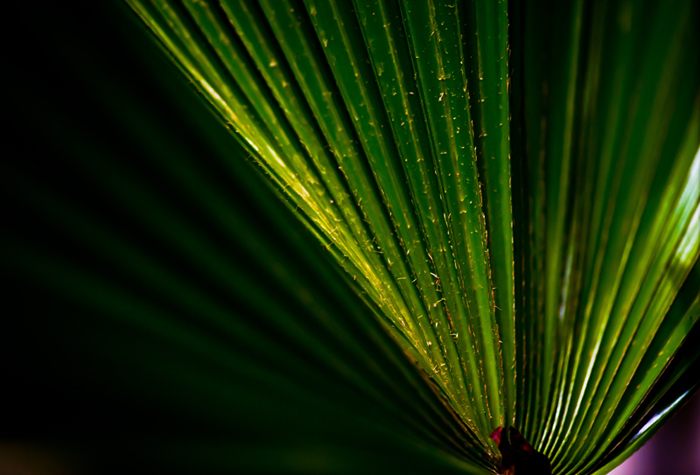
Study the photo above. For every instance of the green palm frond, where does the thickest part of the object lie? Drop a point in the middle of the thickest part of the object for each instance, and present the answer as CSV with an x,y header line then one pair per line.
x,y
469,215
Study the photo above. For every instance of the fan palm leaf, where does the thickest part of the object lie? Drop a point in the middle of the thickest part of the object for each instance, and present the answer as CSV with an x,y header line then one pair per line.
x,y
498,213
